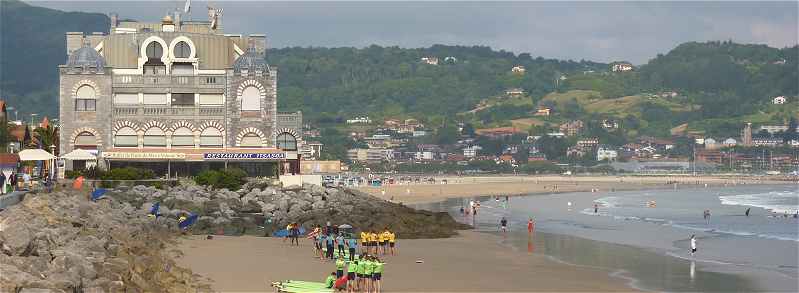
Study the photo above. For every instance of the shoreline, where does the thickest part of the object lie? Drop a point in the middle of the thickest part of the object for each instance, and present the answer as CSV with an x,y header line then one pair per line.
x,y
464,187
449,265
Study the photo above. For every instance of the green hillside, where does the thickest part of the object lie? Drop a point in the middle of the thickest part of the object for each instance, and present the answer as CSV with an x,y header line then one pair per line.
x,y
719,85
32,44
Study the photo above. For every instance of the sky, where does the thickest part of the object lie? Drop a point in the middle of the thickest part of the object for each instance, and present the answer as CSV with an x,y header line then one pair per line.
x,y
597,31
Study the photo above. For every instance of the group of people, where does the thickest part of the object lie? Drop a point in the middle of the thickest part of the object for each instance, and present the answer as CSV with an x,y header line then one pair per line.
x,y
364,273
376,243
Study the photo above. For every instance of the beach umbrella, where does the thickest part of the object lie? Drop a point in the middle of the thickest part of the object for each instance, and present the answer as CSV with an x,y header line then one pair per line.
x,y
345,226
98,193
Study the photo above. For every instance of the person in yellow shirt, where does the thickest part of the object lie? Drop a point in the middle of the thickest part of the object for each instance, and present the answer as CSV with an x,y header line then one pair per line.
x,y
364,241
382,241
392,238
373,241
386,235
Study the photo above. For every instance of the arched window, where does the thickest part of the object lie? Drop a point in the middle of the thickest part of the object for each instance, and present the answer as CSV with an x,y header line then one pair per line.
x,y
250,140
85,98
85,140
154,51
182,50
126,137
211,137
286,142
182,137
86,92
154,137
251,99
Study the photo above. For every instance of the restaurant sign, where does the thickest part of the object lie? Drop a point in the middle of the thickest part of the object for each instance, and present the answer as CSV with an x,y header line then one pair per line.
x,y
134,156
244,156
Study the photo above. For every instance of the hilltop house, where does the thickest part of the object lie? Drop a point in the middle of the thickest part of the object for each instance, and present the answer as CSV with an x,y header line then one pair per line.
x,y
621,67
572,128
778,100
430,60
361,120
543,111
610,124
518,69
514,92
606,153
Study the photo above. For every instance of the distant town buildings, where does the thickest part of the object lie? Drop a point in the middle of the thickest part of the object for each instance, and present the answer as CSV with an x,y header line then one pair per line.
x,y
471,151
369,155
518,69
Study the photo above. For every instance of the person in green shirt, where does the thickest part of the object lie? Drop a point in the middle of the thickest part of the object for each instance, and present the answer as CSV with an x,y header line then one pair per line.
x,y
367,272
340,266
330,280
352,268
377,274
359,267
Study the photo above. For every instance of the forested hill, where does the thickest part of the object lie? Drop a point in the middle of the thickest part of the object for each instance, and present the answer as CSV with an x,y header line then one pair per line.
x,y
32,45
392,81
721,82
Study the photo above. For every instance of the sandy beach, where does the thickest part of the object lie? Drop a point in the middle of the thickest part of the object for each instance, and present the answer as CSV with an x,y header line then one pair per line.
x,y
522,185
472,262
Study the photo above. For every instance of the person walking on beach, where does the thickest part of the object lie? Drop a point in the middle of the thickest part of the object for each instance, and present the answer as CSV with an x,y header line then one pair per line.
x,y
353,245
706,215
322,243
693,245
596,208
530,226
503,225
341,245
330,248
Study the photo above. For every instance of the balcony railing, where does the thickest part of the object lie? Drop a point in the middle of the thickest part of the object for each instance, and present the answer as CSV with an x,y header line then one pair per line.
x,y
173,111
168,80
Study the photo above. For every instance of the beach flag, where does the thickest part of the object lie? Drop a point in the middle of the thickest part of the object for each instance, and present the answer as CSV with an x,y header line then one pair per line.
x,y
314,233
154,210
183,225
187,7
78,184
98,193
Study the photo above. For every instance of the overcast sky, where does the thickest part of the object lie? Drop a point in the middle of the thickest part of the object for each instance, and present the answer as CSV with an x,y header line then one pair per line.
x,y
599,31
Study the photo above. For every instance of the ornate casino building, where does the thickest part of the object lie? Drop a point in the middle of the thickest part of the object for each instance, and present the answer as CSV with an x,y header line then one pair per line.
x,y
176,97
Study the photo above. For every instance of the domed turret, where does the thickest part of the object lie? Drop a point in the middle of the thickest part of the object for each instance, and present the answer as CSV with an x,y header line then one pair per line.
x,y
251,60
86,56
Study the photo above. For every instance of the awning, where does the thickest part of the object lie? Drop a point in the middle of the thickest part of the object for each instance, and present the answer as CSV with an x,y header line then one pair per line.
x,y
35,155
79,155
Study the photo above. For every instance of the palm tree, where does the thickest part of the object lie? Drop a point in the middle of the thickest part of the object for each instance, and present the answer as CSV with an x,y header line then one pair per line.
x,y
47,136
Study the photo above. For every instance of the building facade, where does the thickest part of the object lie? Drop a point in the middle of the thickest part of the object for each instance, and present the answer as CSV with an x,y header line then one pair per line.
x,y
176,97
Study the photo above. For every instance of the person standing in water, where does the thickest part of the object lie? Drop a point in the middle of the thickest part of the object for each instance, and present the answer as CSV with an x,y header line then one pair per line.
x,y
747,211
596,208
503,225
693,245
530,226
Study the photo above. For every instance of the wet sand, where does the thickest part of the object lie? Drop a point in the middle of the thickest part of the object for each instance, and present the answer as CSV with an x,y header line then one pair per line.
x,y
472,261
459,187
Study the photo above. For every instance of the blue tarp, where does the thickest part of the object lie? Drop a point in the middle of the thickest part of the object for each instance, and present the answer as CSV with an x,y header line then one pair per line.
x,y
98,193
284,232
188,221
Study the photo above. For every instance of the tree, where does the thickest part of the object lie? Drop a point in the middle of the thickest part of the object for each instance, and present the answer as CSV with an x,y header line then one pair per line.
x,y
468,130
446,134
553,147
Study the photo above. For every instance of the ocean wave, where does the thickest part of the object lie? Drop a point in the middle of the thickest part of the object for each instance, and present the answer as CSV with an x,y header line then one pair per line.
x,y
780,202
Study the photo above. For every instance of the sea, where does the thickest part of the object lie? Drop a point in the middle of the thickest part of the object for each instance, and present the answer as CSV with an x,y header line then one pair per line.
x,y
642,237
